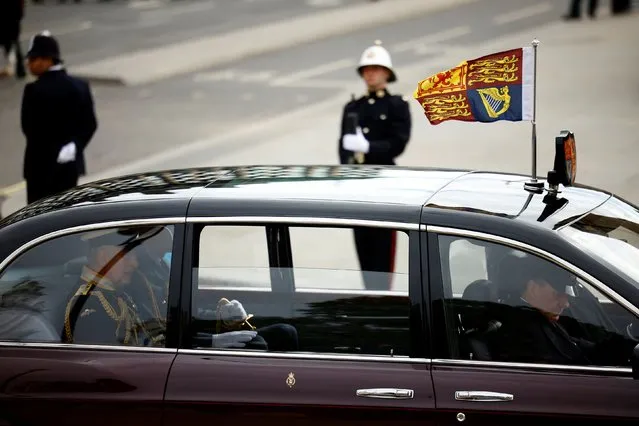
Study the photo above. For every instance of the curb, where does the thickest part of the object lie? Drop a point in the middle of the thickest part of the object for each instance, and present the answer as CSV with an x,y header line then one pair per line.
x,y
195,55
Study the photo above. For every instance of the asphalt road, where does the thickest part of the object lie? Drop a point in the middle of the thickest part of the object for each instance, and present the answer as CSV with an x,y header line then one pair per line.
x,y
144,120
155,121
96,30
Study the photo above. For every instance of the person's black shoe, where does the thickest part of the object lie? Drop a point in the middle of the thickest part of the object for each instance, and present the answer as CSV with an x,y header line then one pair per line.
x,y
571,17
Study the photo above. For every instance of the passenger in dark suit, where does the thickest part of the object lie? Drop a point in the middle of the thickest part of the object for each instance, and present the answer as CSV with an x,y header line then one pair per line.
x,y
58,120
530,330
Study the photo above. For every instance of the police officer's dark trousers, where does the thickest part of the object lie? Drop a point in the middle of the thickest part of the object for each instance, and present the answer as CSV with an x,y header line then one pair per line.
x,y
66,177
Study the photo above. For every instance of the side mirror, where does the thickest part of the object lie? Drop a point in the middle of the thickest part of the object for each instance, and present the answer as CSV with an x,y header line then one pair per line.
x,y
634,361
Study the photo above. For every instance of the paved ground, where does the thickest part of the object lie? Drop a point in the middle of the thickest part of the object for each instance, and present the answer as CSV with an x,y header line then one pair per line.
x,y
96,30
145,120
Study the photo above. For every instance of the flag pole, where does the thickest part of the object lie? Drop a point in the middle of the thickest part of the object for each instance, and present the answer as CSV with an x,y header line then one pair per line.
x,y
534,185
535,43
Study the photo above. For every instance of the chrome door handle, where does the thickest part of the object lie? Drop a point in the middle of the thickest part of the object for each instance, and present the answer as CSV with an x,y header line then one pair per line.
x,y
481,396
388,393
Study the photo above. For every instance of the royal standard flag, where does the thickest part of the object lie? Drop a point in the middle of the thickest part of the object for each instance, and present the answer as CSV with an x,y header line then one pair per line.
x,y
495,87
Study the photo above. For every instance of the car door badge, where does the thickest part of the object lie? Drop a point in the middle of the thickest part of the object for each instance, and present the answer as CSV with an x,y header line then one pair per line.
x,y
290,380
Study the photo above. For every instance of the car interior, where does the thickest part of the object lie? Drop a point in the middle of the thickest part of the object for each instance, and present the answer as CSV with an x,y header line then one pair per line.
x,y
326,320
36,287
483,306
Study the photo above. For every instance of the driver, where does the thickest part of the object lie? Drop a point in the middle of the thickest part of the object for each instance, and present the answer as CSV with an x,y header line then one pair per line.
x,y
532,332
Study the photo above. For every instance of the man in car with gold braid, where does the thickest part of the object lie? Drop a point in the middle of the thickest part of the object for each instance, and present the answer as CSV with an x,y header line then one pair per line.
x,y
118,304
102,311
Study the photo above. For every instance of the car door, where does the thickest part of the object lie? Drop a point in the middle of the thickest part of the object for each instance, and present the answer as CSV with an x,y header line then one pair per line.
x,y
45,378
484,375
337,354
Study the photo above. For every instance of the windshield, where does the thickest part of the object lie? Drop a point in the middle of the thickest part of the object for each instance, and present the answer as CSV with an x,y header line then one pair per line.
x,y
610,233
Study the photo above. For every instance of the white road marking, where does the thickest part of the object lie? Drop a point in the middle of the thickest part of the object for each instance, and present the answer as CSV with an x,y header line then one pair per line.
x,y
235,75
253,77
324,3
181,8
145,4
523,13
313,72
66,29
225,75
422,42
318,83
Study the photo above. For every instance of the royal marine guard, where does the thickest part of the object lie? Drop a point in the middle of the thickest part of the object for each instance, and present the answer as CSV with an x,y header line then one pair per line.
x,y
58,121
375,130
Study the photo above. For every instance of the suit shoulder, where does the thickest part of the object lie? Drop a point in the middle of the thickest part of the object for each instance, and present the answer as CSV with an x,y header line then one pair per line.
x,y
399,99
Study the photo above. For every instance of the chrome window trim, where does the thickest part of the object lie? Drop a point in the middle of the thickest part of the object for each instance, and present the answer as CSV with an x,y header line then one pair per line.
x,y
319,356
542,253
76,346
530,366
88,227
206,287
331,221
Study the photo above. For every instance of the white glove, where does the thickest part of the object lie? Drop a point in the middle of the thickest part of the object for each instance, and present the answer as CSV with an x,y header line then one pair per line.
x,y
233,339
356,142
67,153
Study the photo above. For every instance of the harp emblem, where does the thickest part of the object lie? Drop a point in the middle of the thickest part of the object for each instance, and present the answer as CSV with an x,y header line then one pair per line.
x,y
496,100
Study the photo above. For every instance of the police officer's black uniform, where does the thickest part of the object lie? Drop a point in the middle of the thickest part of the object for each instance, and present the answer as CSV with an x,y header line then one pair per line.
x,y
385,122
56,109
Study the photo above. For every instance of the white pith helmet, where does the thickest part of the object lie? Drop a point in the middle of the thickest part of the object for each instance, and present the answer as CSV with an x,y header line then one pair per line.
x,y
377,55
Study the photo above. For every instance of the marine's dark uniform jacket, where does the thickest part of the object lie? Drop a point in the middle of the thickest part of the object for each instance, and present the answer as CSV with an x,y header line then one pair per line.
x,y
98,313
386,123
56,109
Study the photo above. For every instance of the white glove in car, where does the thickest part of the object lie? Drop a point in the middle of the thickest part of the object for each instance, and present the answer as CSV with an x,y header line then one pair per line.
x,y
233,339
356,142
67,153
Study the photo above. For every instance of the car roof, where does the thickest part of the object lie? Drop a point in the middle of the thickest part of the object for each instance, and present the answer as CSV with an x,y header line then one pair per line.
x,y
392,188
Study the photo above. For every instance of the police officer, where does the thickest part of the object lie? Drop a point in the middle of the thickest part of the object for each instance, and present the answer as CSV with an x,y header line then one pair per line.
x,y
58,121
375,129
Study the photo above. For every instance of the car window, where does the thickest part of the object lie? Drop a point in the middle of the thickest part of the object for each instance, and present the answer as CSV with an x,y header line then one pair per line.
x,y
104,287
328,258
247,294
609,234
502,304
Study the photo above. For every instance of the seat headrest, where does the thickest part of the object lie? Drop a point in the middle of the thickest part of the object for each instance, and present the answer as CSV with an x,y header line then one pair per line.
x,y
479,290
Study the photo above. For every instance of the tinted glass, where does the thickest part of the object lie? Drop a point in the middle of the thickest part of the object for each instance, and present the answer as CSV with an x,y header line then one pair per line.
x,y
322,302
610,233
505,305
106,287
